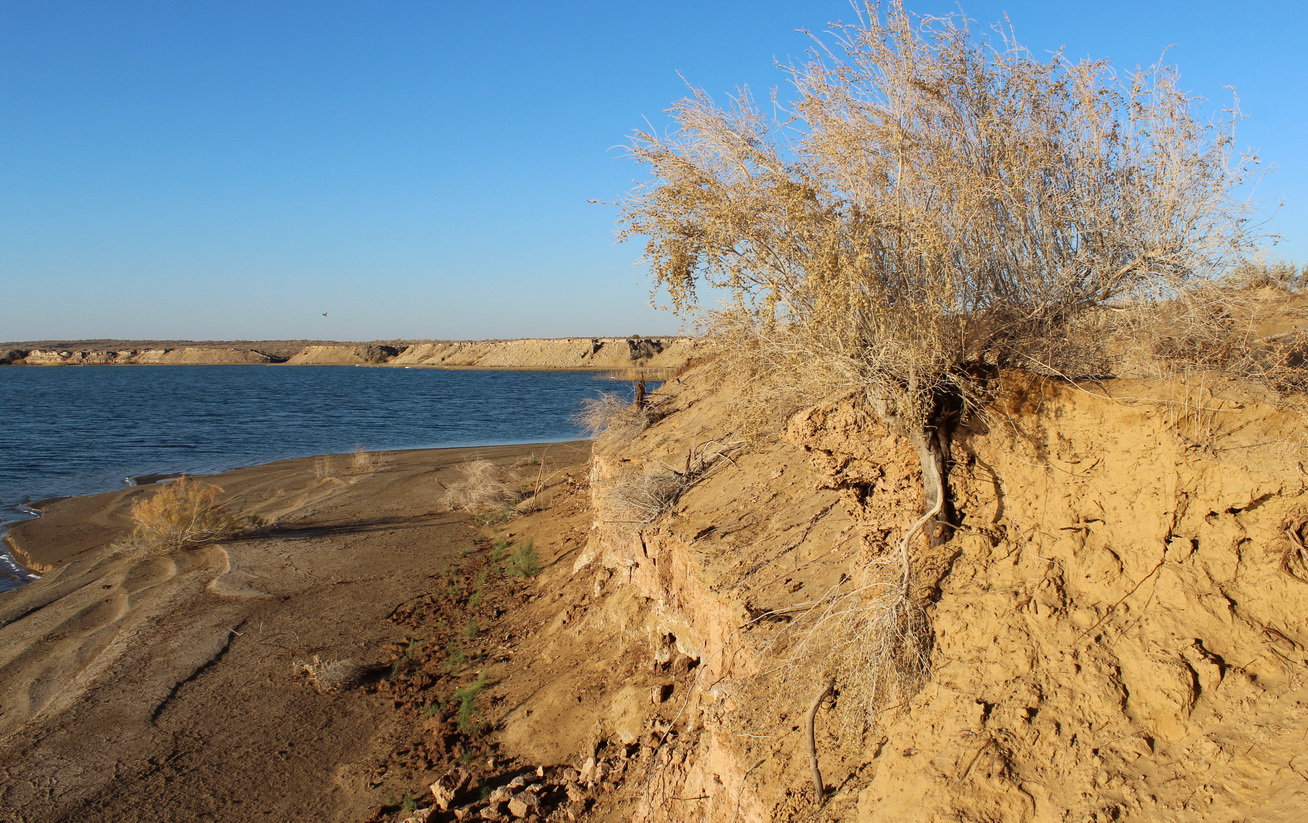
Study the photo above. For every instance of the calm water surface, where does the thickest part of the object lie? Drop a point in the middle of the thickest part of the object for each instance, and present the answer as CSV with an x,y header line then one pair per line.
x,y
82,429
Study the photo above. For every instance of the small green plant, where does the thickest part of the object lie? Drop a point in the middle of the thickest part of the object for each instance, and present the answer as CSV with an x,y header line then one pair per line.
x,y
467,697
497,516
408,659
524,562
453,586
456,662
410,804
471,631
499,549
478,590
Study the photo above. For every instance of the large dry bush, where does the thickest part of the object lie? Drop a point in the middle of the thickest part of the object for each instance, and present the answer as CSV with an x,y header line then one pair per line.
x,y
932,204
936,204
182,513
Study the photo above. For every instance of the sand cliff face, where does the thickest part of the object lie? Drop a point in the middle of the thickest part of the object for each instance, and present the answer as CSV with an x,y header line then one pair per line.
x,y
600,353
1115,633
607,353
185,356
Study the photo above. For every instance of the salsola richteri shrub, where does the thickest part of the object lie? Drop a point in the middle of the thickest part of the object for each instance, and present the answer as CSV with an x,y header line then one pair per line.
x,y
182,513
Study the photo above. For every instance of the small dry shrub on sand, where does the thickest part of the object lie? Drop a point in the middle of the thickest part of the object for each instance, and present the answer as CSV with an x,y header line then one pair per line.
x,y
183,513
363,461
326,468
639,497
332,675
479,486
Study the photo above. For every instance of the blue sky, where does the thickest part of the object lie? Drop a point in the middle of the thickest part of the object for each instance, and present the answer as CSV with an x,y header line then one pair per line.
x,y
233,170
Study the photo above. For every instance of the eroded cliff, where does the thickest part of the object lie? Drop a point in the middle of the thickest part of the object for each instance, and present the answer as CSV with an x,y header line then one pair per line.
x,y
1113,633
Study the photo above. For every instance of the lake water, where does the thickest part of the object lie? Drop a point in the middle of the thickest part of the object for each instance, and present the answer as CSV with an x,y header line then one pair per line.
x,y
83,429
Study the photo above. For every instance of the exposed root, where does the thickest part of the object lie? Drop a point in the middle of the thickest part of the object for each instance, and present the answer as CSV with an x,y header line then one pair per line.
x,y
810,723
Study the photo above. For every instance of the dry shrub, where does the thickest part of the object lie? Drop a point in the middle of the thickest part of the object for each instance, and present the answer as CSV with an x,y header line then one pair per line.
x,y
1281,275
767,375
1217,326
639,498
867,632
1287,363
328,676
479,486
183,513
612,419
363,461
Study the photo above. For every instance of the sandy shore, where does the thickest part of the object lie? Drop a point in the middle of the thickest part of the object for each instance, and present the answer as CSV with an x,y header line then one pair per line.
x,y
164,686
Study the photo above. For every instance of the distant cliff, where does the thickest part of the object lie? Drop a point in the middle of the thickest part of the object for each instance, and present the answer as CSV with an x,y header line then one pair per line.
x,y
580,353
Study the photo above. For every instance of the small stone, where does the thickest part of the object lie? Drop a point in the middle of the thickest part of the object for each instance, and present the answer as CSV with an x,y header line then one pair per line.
x,y
446,787
420,816
588,769
540,772
523,804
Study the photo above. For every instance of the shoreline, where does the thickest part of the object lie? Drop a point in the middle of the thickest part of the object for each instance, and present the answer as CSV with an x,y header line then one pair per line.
x,y
71,512
589,354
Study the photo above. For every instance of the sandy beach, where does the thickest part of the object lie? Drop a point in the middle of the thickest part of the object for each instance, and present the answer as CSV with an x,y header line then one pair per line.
x,y
145,685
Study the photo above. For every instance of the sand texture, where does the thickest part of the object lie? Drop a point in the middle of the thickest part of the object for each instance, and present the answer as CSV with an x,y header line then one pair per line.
x,y
139,685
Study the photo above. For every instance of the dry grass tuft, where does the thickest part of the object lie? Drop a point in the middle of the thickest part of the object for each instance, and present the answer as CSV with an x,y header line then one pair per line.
x,y
185,513
326,467
480,486
639,498
363,461
612,418
328,676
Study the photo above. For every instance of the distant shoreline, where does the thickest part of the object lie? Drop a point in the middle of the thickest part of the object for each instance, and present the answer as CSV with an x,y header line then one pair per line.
x,y
528,354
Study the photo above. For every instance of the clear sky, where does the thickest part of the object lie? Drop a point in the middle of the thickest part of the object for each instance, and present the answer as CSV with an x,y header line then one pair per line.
x,y
236,169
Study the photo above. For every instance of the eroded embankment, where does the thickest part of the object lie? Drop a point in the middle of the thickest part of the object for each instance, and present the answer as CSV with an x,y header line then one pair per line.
x,y
1114,632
